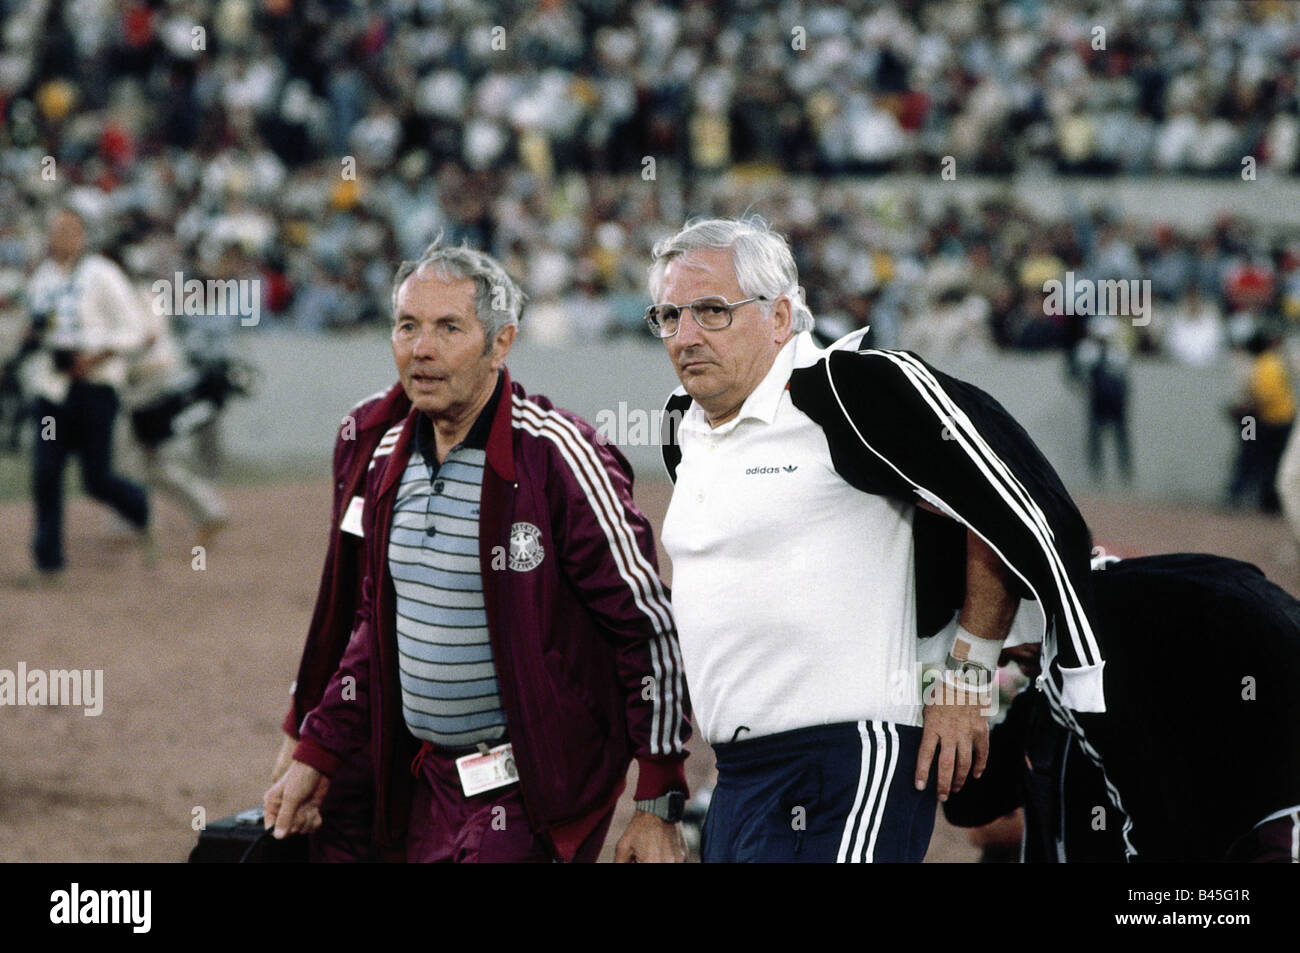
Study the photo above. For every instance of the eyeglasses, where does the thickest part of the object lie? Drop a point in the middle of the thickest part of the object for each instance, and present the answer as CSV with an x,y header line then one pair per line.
x,y
712,313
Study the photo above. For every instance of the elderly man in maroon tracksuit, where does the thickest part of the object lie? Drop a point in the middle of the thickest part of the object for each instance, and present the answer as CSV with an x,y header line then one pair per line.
x,y
348,810
514,645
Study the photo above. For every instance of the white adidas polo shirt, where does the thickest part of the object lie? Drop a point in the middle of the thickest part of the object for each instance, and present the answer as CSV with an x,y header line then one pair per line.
x,y
794,593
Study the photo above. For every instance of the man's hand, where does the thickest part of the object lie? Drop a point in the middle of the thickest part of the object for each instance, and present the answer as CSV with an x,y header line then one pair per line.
x,y
649,840
955,723
283,758
292,804
961,733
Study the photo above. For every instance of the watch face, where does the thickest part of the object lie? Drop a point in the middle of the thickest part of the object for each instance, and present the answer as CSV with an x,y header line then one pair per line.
x,y
676,806
667,807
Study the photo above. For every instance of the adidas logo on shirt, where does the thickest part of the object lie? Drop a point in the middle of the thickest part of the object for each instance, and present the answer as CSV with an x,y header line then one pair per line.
x,y
756,470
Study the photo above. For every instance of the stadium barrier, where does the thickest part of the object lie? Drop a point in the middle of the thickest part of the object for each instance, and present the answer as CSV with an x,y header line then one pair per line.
x,y
1183,441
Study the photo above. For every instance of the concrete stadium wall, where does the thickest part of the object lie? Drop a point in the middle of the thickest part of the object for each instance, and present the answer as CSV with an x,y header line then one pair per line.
x,y
1183,444
1189,202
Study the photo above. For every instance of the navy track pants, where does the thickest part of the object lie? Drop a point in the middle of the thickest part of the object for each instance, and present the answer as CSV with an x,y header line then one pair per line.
x,y
830,793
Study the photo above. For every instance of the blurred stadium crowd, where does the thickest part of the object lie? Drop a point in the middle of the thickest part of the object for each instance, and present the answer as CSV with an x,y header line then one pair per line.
x,y
531,141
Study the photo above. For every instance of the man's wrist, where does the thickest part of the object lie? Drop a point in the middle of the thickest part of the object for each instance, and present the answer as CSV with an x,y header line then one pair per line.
x,y
658,775
667,807
312,754
969,647
971,682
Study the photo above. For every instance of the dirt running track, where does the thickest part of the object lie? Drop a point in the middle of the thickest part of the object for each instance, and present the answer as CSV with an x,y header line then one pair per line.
x,y
197,665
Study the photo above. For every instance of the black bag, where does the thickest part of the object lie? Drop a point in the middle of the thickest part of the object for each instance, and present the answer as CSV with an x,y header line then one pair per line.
x,y
241,839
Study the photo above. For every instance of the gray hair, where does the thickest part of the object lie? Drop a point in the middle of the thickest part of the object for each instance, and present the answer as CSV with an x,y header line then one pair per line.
x,y
492,285
762,258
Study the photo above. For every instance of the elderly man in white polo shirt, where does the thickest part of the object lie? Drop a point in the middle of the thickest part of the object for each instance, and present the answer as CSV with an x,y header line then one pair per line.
x,y
832,509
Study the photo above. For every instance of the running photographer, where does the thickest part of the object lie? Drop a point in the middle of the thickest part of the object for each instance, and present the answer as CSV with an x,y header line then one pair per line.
x,y
86,314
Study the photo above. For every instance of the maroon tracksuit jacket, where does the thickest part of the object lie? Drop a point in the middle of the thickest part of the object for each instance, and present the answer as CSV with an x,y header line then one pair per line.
x,y
339,595
586,652
348,811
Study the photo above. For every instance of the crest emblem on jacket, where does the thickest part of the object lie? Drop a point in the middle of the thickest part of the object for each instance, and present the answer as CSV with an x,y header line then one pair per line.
x,y
526,552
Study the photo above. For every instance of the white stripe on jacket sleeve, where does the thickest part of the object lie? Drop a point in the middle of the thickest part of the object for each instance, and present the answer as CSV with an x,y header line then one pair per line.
x,y
1088,697
1084,641
643,583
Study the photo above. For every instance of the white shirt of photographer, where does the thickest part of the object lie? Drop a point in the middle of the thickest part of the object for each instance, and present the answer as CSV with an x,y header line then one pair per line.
x,y
92,307
794,593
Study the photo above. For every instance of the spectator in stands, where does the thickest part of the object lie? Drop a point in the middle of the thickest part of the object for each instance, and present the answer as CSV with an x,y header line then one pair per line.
x,y
1193,333
520,137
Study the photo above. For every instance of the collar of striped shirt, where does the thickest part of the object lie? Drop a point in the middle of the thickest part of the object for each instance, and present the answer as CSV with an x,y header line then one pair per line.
x,y
476,439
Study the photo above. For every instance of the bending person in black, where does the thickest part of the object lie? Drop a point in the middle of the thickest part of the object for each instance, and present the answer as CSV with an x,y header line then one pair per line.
x,y
1200,740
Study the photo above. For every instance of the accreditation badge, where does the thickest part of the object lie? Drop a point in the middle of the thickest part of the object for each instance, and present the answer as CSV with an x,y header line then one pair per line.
x,y
486,770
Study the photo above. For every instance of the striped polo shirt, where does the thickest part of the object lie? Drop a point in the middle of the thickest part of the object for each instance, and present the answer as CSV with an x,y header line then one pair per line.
x,y
448,679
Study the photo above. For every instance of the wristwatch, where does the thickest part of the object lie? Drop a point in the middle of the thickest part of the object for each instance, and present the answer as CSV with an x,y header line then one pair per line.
x,y
667,807
966,669
964,675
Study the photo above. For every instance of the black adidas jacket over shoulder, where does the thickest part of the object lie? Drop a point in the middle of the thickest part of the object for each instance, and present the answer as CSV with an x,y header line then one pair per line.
x,y
897,427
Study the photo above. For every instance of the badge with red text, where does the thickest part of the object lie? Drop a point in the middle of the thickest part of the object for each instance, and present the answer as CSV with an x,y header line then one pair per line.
x,y
481,772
